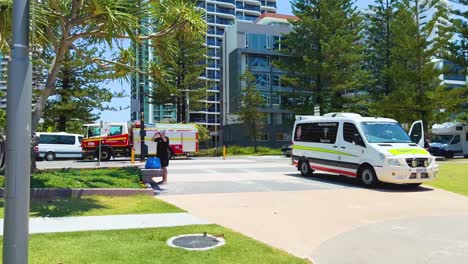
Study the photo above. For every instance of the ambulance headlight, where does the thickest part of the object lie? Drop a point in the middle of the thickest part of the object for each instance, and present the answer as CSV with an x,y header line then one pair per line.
x,y
393,162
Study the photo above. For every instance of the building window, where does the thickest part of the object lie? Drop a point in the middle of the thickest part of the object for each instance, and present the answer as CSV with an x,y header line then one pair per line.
x,y
278,118
266,100
276,43
258,62
282,136
275,100
263,137
268,118
275,80
261,79
257,41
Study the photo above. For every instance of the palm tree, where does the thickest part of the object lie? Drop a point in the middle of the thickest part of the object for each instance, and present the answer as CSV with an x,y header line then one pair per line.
x,y
63,25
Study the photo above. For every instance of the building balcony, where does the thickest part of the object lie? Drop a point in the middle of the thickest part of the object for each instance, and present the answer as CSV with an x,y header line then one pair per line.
x,y
223,3
250,13
252,2
222,14
269,8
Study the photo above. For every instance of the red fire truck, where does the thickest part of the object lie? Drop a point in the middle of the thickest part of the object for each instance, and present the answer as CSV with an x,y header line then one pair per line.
x,y
117,139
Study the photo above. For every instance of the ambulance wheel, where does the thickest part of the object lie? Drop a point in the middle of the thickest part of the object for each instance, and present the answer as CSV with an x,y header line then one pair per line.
x,y
368,177
305,168
49,156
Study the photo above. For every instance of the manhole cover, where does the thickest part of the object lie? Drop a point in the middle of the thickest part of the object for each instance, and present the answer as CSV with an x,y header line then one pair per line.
x,y
196,242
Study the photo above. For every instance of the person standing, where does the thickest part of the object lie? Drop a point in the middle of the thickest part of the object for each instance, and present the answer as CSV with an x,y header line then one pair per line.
x,y
162,152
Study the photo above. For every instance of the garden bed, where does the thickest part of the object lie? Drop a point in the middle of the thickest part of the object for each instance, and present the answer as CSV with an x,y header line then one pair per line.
x,y
82,182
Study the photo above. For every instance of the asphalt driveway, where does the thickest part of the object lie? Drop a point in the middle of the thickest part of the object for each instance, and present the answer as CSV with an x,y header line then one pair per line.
x,y
327,219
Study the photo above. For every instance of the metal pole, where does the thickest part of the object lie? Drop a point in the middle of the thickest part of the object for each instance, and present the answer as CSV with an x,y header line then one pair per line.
x,y
187,111
143,148
101,125
18,141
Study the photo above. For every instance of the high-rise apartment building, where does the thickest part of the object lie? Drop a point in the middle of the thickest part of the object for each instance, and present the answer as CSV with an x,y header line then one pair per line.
x,y
219,15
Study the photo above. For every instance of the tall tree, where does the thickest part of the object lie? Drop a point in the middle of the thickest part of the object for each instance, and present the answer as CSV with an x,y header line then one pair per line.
x,y
251,100
379,41
181,84
59,25
325,55
80,92
418,92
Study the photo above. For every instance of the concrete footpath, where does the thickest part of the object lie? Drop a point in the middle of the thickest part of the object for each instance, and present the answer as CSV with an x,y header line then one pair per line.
x,y
108,222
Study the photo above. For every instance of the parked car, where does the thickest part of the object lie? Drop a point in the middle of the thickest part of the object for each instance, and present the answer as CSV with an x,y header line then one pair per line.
x,y
286,150
58,145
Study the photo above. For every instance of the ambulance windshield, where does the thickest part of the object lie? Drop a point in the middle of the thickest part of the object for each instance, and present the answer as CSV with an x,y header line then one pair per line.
x,y
384,132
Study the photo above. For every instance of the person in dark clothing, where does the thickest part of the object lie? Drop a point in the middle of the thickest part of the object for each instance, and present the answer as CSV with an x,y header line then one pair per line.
x,y
162,152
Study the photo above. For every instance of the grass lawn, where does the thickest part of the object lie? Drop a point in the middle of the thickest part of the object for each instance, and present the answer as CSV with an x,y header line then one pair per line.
x,y
452,177
149,246
98,205
95,178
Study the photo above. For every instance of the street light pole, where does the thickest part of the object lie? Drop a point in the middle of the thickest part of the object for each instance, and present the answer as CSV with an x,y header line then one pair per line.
x,y
18,141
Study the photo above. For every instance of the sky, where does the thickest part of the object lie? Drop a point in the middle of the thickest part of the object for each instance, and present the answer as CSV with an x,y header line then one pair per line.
x,y
283,7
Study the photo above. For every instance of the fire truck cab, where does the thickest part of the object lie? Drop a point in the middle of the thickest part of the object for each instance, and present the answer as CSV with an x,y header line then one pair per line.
x,y
114,137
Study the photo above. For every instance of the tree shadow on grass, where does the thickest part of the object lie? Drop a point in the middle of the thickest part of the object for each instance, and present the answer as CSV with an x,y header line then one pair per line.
x,y
60,207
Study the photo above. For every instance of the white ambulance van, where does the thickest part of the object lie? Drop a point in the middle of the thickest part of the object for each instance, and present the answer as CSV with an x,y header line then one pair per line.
x,y
371,149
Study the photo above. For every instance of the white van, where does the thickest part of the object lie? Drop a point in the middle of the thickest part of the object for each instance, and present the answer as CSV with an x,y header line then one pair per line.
x,y
58,145
371,149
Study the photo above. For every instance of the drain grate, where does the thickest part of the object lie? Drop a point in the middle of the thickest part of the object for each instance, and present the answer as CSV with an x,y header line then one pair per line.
x,y
196,242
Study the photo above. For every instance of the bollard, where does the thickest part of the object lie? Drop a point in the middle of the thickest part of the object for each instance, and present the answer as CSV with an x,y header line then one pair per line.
x,y
224,152
133,155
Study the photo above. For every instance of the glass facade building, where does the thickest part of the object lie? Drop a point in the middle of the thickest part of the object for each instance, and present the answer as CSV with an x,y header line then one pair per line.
x,y
219,15
255,48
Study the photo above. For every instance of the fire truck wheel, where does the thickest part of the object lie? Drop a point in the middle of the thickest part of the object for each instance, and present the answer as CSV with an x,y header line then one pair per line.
x,y
49,156
106,154
170,154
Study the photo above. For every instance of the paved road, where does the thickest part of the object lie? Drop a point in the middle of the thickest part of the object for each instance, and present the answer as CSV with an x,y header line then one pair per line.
x,y
326,218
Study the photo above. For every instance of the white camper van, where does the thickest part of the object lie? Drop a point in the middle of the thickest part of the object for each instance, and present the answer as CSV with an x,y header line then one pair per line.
x,y
450,139
371,149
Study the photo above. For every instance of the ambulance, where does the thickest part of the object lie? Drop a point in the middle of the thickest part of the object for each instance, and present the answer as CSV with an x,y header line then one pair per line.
x,y
371,149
